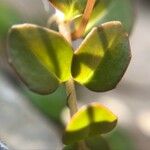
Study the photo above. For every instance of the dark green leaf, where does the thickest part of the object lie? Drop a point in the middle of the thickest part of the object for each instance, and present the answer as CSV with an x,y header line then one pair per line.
x,y
96,143
102,58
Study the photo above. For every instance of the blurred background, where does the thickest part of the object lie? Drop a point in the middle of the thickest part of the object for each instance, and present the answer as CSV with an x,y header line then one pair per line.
x,y
29,121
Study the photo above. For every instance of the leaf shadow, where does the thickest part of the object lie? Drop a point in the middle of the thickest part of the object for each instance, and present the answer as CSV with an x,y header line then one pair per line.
x,y
88,59
50,49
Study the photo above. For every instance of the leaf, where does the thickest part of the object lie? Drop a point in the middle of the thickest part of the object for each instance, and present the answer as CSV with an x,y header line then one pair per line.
x,y
89,121
70,8
110,10
40,56
102,57
96,143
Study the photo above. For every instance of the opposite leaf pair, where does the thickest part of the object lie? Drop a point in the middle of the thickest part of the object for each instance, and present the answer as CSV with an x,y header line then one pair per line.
x,y
44,59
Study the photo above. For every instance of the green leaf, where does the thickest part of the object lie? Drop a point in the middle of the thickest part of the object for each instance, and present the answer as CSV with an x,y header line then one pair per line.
x,y
110,10
40,56
70,8
102,58
96,143
89,121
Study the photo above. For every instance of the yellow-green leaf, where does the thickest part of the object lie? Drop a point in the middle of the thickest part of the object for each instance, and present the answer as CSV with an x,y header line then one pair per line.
x,y
102,58
89,121
70,8
41,57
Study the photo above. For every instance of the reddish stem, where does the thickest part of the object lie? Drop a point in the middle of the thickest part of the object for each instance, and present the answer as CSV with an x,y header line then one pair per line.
x,y
85,19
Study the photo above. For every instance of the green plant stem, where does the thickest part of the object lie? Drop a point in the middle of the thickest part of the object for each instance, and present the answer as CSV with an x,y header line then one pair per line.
x,y
72,100
64,29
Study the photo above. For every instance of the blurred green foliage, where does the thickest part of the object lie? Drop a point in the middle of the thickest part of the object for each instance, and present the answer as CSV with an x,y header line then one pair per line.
x,y
8,17
120,140
51,105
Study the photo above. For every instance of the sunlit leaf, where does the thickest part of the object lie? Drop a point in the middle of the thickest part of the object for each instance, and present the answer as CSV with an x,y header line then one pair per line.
x,y
40,56
89,121
102,58
95,143
110,10
70,8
